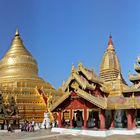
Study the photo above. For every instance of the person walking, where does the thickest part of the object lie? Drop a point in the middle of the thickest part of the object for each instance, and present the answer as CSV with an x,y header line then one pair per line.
x,y
9,128
33,124
30,127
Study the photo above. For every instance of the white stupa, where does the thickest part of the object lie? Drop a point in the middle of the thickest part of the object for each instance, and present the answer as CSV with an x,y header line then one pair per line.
x,y
47,119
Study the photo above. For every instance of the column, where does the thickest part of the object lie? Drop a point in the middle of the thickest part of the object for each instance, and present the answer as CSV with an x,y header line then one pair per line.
x,y
102,119
59,119
85,118
112,120
129,119
71,117
134,123
134,119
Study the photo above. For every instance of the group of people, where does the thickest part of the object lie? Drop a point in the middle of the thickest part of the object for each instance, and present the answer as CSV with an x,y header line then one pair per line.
x,y
28,126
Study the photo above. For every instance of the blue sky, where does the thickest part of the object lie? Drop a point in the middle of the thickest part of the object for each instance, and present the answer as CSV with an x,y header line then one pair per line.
x,y
60,33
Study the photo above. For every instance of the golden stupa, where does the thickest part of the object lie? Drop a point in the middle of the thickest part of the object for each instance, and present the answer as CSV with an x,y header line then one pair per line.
x,y
19,78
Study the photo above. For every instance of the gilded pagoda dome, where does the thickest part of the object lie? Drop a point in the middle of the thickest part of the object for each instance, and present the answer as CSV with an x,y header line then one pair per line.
x,y
19,79
110,66
18,61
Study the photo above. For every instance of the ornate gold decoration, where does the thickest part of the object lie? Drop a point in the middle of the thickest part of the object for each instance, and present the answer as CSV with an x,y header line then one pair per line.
x,y
19,78
83,82
110,66
61,99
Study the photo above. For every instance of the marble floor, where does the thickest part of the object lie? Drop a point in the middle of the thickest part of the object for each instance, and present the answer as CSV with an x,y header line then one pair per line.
x,y
48,135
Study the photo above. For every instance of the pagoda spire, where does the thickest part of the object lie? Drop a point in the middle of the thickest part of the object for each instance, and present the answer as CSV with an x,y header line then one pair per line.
x,y
110,44
17,32
110,66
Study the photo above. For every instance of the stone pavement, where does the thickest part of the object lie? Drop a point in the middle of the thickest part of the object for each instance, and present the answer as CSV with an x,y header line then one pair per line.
x,y
48,135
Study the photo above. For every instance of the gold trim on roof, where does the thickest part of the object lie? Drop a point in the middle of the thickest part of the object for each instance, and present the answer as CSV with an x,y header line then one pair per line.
x,y
89,74
61,99
98,101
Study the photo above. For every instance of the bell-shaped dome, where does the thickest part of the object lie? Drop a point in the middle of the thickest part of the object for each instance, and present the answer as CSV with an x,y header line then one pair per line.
x,y
110,66
18,61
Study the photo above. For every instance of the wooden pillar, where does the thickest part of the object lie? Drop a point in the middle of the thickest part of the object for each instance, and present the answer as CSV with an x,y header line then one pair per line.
x,y
134,119
59,119
112,120
102,119
129,119
85,118
71,117
134,123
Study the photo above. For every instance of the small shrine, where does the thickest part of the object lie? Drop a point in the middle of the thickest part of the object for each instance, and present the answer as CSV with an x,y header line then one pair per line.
x,y
103,101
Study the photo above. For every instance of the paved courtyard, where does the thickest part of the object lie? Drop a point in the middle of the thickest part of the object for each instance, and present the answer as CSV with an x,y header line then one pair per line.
x,y
48,135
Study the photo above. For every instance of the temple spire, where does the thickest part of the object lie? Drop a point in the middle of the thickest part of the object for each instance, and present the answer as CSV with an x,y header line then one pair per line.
x,y
110,66
110,44
17,32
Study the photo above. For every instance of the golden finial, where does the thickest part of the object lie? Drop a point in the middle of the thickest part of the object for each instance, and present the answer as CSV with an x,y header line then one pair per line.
x,y
110,43
17,32
80,64
72,67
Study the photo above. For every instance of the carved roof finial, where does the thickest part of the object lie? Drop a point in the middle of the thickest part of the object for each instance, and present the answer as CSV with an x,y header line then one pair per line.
x,y
72,69
80,64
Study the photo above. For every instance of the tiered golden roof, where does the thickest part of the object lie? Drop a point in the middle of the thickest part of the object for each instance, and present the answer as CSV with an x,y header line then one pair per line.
x,y
115,93
81,80
19,78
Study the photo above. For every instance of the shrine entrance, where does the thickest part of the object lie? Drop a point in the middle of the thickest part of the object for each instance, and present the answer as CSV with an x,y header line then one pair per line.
x,y
93,119
77,118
